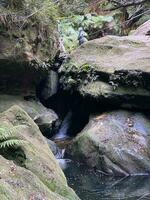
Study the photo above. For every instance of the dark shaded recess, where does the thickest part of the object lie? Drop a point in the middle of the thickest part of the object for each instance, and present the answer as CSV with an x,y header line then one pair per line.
x,y
146,78
19,78
63,102
16,154
81,108
94,33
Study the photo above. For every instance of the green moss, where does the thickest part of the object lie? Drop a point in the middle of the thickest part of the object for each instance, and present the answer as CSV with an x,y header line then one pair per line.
x,y
31,32
36,159
73,75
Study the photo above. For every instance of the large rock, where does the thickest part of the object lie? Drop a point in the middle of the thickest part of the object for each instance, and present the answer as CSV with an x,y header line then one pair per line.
x,y
39,167
19,183
120,65
143,29
116,143
46,119
28,41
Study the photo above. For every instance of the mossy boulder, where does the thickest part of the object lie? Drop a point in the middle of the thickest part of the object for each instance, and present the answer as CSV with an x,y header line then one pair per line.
x,y
115,143
19,183
121,70
46,119
35,158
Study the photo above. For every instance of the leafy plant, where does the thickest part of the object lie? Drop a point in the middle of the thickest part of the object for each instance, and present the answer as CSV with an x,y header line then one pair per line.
x,y
130,78
8,138
91,24
73,76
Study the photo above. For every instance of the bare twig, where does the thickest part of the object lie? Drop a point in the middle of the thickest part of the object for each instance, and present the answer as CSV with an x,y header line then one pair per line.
x,y
143,196
147,11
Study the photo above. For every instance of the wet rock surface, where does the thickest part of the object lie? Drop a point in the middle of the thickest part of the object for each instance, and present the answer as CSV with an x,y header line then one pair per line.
x,y
116,143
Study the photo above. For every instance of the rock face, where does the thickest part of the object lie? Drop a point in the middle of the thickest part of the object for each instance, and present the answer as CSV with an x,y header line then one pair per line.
x,y
27,43
116,143
143,29
51,85
46,119
121,70
40,175
26,183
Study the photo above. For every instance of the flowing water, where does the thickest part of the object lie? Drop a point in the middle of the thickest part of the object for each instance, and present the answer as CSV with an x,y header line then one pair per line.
x,y
62,133
91,185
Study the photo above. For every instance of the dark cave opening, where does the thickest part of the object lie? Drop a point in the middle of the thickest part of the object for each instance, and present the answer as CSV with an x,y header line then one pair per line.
x,y
81,108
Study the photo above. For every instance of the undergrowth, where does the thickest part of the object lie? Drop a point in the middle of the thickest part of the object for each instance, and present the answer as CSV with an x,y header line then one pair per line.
x,y
72,76
31,25
22,12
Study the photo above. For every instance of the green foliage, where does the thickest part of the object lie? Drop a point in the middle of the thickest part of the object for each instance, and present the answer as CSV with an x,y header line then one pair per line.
x,y
71,7
128,79
11,143
31,27
73,75
69,27
8,138
25,11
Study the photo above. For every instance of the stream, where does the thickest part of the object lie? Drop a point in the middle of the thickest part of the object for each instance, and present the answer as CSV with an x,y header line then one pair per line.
x,y
93,185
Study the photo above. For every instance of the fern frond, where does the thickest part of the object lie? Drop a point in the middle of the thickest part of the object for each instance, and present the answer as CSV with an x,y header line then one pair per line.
x,y
11,143
5,133
8,137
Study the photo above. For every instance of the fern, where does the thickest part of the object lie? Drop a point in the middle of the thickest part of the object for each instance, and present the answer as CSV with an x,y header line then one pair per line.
x,y
12,142
5,133
8,138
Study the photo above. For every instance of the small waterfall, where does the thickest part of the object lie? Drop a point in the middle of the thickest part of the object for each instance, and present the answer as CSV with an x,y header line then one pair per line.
x,y
51,85
62,133
59,154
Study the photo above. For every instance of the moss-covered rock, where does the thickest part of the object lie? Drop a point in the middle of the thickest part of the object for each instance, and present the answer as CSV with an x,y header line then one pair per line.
x,y
116,143
19,183
121,69
34,155
28,36
46,119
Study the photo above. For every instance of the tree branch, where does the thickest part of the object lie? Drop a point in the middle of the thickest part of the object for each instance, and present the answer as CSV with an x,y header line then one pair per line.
x,y
121,5
147,11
